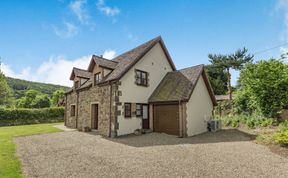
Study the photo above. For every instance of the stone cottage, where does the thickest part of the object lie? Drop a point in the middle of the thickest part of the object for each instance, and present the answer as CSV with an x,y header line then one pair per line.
x,y
139,89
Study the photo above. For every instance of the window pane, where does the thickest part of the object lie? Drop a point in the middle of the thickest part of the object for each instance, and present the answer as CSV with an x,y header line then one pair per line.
x,y
145,112
138,74
138,106
141,78
127,109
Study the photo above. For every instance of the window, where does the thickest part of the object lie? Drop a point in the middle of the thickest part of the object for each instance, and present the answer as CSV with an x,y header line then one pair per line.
x,y
72,112
141,78
138,110
97,78
76,84
127,111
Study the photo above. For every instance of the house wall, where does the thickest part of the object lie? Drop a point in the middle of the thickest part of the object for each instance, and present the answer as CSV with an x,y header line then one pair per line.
x,y
71,100
199,109
83,80
106,72
157,65
96,95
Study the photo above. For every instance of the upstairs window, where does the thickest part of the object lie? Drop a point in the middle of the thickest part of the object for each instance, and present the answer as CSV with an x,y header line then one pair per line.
x,y
127,110
76,84
97,78
141,78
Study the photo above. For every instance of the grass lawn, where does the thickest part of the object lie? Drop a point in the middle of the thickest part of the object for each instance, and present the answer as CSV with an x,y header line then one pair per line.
x,y
10,166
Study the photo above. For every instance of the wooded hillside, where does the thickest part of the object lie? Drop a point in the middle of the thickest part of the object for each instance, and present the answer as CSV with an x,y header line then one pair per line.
x,y
19,87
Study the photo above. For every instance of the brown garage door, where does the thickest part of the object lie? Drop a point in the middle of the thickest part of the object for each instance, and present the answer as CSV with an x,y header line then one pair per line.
x,y
166,118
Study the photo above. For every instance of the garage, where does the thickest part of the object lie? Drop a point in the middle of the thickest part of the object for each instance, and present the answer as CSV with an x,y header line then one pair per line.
x,y
166,118
182,103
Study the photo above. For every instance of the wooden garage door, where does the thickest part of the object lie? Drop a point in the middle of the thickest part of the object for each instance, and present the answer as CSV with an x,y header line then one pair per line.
x,y
166,118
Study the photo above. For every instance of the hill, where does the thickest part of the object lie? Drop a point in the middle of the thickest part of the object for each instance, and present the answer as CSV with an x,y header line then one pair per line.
x,y
21,86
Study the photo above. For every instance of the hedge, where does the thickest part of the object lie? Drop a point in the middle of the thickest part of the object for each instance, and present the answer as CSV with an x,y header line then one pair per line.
x,y
9,117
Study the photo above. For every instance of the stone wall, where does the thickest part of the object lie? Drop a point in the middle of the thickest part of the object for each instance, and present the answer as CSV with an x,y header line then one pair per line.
x,y
95,95
100,96
70,121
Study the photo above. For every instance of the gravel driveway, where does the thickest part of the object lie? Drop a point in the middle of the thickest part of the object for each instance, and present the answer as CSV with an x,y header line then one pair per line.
x,y
228,153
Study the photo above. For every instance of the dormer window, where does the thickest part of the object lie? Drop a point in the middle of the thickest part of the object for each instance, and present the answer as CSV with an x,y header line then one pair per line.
x,y
76,84
97,78
141,78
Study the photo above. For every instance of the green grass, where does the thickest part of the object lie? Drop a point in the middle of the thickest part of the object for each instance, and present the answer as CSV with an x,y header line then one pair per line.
x,y
10,166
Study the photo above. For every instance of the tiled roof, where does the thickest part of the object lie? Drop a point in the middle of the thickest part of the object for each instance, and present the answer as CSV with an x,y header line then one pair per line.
x,y
88,83
80,73
69,90
105,62
177,85
120,64
128,59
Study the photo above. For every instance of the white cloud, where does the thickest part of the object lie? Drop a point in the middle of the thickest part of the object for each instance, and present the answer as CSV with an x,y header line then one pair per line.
x,y
78,8
24,74
68,31
283,50
282,4
109,11
56,70
109,54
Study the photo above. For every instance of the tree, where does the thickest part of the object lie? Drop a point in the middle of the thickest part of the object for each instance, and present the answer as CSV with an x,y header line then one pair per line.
x,y
41,101
234,61
218,79
34,99
263,87
6,94
57,96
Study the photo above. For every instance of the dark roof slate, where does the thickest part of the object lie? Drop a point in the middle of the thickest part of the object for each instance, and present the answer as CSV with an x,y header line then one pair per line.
x,y
128,59
80,73
177,85
105,62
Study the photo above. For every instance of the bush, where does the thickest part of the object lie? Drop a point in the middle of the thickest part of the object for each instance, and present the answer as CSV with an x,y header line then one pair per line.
x,y
9,117
263,87
284,126
251,121
281,138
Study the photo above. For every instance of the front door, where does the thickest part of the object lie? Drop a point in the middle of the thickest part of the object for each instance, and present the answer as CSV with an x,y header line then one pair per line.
x,y
94,116
145,116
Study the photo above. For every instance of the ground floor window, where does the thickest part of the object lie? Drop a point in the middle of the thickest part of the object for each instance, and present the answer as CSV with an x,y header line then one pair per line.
x,y
138,110
72,111
127,111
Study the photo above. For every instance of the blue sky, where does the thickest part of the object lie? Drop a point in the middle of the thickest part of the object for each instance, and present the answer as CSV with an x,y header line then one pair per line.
x,y
43,40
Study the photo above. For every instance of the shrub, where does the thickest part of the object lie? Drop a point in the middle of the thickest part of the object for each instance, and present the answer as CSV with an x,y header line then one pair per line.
x,y
10,117
263,87
266,122
251,121
251,124
284,126
281,137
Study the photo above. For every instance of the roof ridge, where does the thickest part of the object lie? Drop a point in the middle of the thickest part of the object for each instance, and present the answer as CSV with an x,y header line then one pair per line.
x,y
202,65
156,39
80,69
104,58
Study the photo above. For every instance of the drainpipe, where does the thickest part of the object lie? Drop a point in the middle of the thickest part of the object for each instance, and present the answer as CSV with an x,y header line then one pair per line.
x,y
180,118
110,109
65,114
77,103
